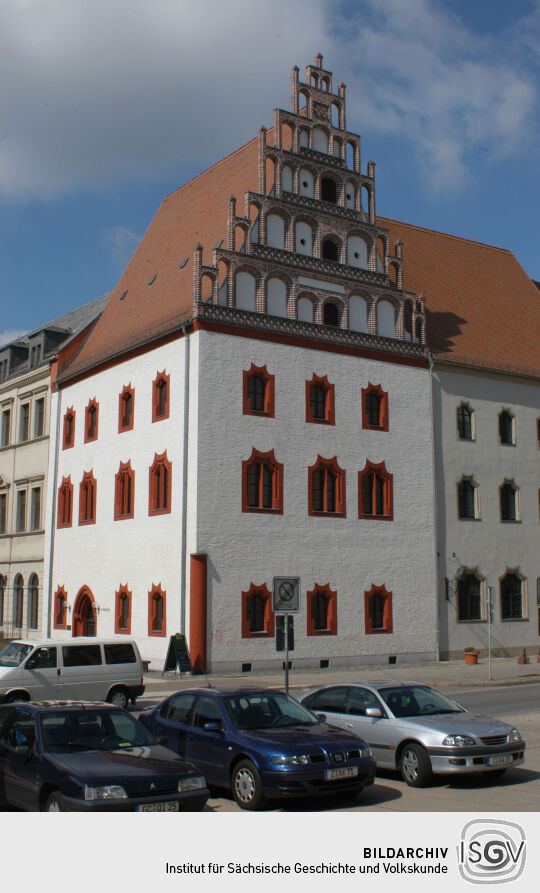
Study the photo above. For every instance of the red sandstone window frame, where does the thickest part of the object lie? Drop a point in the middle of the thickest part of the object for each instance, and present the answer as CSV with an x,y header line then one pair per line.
x,y
124,498
269,392
160,485
68,433
123,424
331,610
91,421
266,461
65,503
379,470
161,380
120,595
383,408
329,408
268,630
387,620
60,603
87,499
327,465
154,595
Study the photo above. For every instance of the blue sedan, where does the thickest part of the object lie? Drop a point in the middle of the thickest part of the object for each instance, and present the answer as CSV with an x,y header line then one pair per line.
x,y
261,744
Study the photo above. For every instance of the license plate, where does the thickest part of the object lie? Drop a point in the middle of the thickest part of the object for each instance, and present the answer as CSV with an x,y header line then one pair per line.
x,y
342,772
500,760
168,806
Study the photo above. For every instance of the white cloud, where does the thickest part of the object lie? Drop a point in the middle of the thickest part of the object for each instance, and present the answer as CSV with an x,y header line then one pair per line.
x,y
9,335
103,91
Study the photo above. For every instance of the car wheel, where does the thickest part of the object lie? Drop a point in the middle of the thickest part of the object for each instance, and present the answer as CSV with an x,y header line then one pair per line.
x,y
415,766
16,696
119,697
247,786
55,803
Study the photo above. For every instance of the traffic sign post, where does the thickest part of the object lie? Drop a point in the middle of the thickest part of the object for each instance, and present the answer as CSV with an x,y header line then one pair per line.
x,y
490,610
286,601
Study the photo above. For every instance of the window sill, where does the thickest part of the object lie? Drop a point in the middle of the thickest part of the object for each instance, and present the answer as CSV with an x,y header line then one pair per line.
x,y
159,512
510,520
514,619
314,514
124,517
256,511
319,422
376,517
87,522
322,632
469,519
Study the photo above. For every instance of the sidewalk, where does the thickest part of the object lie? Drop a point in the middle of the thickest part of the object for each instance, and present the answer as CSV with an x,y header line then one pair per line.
x,y
444,674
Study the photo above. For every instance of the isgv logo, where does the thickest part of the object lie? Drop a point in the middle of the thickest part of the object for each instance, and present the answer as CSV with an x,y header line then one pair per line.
x,y
491,851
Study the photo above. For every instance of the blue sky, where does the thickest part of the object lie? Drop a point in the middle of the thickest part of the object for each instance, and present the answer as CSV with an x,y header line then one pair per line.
x,y
109,105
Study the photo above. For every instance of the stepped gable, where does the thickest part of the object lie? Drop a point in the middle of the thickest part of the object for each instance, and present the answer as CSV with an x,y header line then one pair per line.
x,y
481,307
195,213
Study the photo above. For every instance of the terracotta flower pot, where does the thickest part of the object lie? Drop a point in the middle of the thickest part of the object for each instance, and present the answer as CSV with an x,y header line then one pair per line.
x,y
471,657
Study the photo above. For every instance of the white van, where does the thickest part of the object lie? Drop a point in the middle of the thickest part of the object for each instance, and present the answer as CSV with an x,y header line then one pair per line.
x,y
82,669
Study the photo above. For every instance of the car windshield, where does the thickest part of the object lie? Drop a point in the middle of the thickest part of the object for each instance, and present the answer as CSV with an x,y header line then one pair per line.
x,y
14,654
417,700
65,731
266,710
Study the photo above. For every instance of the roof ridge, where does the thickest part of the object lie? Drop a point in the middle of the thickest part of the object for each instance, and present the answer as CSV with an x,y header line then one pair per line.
x,y
438,232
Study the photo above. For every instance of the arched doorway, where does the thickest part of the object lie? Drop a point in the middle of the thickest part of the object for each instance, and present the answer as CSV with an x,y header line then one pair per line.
x,y
84,614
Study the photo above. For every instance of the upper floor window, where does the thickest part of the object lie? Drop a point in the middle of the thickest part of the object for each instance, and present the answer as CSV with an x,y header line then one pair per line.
x,y
465,422
65,503
124,491
39,417
91,421
513,605
320,401
3,512
258,392
33,601
375,492
35,509
18,605
469,603
60,608
24,422
326,488
468,499
157,617
87,498
257,614
6,427
69,429
126,407
3,587
123,611
378,610
374,408
509,496
161,397
20,518
262,483
330,314
321,611
507,427
160,485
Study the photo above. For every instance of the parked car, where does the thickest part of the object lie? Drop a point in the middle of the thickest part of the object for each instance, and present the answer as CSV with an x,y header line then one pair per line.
x,y
89,669
418,730
261,744
60,756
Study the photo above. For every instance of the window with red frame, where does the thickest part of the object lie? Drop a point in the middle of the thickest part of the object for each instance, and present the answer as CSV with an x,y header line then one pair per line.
x,y
378,610
160,485
321,611
157,604
91,416
124,491
262,483
374,408
87,498
161,397
375,492
65,503
123,611
126,408
69,429
258,392
320,402
257,614
326,488
60,608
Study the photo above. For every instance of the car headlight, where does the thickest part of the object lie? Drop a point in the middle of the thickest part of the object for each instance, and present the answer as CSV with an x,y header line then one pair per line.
x,y
105,792
365,750
282,760
458,741
514,735
193,783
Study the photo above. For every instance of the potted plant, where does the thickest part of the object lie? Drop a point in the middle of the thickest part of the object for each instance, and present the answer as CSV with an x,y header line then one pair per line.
x,y
471,654
523,659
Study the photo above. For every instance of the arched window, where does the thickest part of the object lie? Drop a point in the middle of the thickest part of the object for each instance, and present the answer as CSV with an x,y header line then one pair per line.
x,y
91,421
386,319
69,429
60,608
469,605
328,190
303,238
3,585
305,310
262,483
378,610
275,231
375,492
465,422
374,408
306,183
512,597
123,611
509,501
160,482
330,250
245,291
65,503
258,392
507,428
124,492
320,401
321,611
257,614
161,397
326,488
87,498
276,297
33,601
157,616
320,140
18,593
357,252
467,499
126,406
357,314
330,314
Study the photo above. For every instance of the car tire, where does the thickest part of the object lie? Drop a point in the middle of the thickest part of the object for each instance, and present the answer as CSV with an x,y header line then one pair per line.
x,y
16,696
55,803
119,697
247,786
415,766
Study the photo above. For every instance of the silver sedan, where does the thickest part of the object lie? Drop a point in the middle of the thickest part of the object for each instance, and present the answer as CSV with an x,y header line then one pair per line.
x,y
418,730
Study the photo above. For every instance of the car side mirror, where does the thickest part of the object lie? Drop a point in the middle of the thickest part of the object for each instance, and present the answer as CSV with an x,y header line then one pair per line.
x,y
374,712
321,717
213,727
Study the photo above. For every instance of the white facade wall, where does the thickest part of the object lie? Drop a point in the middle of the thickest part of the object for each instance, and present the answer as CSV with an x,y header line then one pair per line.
x,y
487,544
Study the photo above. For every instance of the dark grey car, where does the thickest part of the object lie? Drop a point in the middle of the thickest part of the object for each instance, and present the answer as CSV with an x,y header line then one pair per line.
x,y
418,730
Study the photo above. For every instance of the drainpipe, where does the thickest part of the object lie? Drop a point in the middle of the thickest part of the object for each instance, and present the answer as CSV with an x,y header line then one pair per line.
x,y
183,556
53,513
434,497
